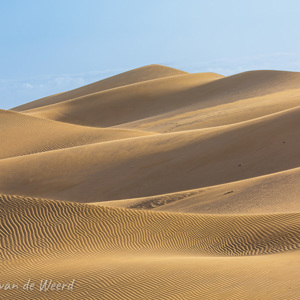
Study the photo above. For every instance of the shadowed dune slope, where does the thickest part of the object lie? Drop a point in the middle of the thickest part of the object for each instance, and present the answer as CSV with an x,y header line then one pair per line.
x,y
154,165
22,134
273,193
203,115
129,77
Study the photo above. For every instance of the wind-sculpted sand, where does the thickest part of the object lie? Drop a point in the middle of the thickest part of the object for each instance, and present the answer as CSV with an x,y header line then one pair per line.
x,y
154,184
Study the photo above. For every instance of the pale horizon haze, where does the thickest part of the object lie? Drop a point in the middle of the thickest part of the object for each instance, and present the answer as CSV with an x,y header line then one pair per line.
x,y
49,47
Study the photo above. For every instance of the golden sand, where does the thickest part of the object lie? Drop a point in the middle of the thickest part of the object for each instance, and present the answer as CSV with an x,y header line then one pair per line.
x,y
154,184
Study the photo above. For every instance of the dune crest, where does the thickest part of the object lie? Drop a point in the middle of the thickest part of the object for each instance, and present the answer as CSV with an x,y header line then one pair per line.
x,y
37,135
129,77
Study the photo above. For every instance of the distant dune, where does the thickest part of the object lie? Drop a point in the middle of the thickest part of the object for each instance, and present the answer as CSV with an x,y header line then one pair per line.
x,y
130,77
35,135
155,184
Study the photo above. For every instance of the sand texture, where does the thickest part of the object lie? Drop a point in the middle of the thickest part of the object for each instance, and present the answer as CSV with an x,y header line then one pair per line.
x,y
154,184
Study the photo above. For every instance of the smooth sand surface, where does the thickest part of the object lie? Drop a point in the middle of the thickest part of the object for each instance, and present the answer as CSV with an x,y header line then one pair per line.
x,y
154,184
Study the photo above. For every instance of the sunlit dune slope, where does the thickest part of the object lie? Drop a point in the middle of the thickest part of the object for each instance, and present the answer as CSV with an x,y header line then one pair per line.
x,y
22,134
158,164
129,77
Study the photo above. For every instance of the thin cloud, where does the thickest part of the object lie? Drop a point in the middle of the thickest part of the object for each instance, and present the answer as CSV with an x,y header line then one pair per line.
x,y
28,85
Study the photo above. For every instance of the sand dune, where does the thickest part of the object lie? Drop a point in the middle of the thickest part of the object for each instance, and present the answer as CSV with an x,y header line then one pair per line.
x,y
166,277
115,244
127,103
153,165
180,97
197,117
272,193
111,230
132,76
36,135
154,184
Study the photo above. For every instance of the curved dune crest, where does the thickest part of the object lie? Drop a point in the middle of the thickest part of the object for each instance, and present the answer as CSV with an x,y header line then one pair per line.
x,y
129,77
36,135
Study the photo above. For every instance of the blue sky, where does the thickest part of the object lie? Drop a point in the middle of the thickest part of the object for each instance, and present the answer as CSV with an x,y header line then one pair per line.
x,y
52,46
